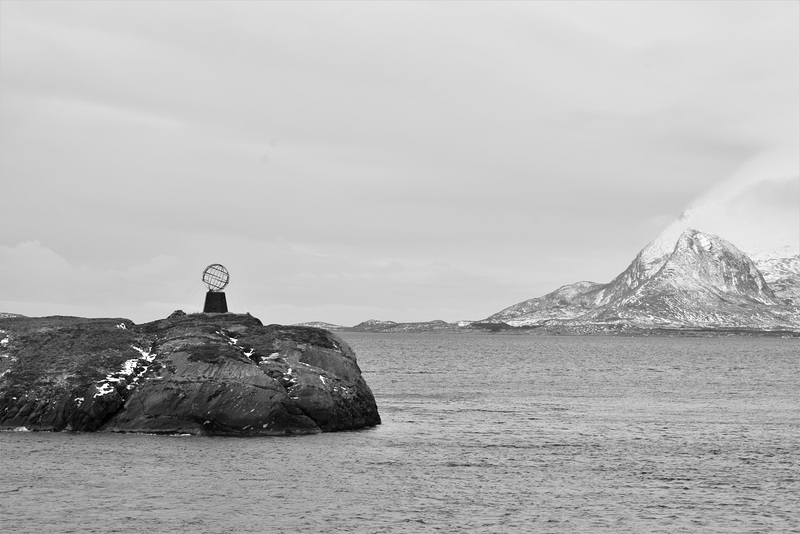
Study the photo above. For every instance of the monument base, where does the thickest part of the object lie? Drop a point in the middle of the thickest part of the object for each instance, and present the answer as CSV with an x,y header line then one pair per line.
x,y
215,302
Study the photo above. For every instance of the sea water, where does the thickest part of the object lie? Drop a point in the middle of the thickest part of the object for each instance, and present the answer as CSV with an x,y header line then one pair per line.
x,y
480,433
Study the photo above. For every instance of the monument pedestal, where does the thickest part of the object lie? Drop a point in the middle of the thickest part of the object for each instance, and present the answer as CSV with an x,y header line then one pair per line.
x,y
215,302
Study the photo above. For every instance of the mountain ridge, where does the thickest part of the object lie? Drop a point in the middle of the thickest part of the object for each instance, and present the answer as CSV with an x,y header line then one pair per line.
x,y
704,281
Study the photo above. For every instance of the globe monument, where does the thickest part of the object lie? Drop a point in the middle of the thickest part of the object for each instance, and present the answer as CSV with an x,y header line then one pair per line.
x,y
215,277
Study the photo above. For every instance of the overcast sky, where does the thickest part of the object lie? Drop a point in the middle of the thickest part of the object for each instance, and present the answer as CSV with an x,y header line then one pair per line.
x,y
403,161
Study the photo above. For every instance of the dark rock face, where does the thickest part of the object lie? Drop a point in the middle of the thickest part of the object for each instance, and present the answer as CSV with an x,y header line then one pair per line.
x,y
215,374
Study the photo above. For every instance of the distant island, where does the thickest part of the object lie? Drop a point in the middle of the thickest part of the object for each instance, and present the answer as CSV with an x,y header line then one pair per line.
x,y
700,285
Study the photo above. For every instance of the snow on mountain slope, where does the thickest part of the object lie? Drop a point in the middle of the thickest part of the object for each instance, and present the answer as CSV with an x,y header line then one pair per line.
x,y
642,268
566,302
700,280
705,282
320,324
716,264
375,322
783,276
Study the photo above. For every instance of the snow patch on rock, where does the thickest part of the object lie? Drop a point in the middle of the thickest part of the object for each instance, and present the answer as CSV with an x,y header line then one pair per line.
x,y
132,370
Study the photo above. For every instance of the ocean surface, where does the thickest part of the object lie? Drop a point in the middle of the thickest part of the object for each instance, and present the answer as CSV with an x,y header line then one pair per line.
x,y
480,433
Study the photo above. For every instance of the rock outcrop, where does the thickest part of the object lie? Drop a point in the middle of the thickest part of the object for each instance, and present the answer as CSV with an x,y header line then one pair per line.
x,y
212,374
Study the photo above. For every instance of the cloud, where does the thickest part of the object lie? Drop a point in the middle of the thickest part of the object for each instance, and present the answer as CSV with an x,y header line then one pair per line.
x,y
29,269
757,208
421,157
39,281
158,266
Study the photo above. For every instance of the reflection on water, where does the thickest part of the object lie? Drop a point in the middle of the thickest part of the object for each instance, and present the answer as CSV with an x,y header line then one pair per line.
x,y
480,434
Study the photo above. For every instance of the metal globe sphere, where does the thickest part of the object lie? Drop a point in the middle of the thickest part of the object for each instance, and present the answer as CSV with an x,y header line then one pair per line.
x,y
215,277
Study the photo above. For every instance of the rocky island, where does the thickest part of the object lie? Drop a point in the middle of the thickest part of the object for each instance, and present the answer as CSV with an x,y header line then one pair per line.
x,y
208,374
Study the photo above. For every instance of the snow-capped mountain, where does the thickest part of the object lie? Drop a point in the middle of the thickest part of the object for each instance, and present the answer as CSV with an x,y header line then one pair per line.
x,y
782,273
700,281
